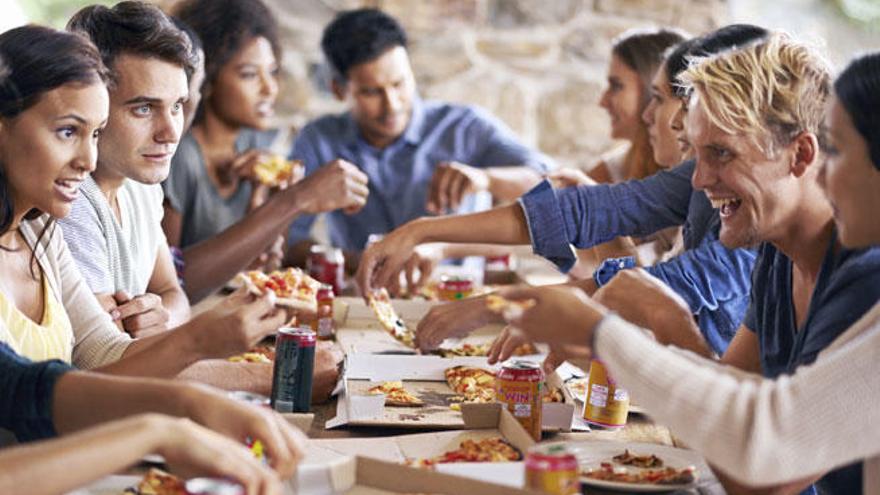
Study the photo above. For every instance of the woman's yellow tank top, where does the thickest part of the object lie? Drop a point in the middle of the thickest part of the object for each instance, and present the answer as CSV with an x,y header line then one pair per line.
x,y
52,338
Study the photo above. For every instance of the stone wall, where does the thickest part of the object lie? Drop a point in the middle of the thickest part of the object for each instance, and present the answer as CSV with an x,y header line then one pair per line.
x,y
537,64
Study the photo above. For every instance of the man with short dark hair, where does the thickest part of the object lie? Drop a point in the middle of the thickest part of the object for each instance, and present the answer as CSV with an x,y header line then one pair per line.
x,y
420,156
114,230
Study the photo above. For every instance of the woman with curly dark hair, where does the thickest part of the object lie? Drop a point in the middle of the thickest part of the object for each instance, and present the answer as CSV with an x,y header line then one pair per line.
x,y
213,195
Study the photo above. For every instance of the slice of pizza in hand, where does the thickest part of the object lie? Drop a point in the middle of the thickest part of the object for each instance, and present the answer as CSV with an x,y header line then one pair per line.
x,y
292,287
274,171
380,303
396,395
508,308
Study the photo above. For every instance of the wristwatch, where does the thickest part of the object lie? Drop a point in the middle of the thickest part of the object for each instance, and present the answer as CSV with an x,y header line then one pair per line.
x,y
609,268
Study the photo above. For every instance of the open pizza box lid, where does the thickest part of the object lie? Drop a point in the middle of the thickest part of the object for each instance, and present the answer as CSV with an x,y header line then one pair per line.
x,y
425,377
378,461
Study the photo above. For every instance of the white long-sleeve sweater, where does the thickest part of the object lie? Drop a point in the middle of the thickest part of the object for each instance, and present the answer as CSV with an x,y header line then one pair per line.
x,y
758,430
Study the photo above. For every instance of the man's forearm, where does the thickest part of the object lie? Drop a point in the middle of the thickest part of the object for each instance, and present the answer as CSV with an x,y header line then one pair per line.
x,y
212,262
251,377
163,356
509,183
501,225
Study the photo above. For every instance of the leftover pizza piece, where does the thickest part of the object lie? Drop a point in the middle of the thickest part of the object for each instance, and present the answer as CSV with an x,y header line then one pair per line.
x,y
293,288
659,476
508,308
380,303
482,350
261,354
472,385
552,394
493,449
396,395
628,458
158,482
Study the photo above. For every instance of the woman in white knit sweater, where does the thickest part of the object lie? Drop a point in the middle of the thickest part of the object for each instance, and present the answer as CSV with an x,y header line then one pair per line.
x,y
759,431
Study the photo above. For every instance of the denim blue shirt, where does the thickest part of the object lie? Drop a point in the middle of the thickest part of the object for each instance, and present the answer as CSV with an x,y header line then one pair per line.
x,y
713,280
26,388
400,174
847,287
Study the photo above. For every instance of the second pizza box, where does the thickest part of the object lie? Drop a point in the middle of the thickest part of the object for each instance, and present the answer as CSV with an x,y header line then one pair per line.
x,y
379,462
424,377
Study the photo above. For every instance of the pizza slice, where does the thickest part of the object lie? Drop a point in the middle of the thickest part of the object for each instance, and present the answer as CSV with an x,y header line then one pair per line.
x,y
380,303
275,171
508,308
493,449
261,354
472,385
293,288
628,458
396,395
158,482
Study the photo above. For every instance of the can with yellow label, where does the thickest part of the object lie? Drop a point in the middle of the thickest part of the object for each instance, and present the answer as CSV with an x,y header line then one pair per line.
x,y
607,405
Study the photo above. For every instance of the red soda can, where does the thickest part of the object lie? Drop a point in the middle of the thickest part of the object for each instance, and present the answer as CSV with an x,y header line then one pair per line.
x,y
518,385
292,374
454,288
552,468
326,264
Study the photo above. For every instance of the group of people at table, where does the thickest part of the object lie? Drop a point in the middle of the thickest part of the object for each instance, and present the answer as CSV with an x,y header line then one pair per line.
x,y
128,144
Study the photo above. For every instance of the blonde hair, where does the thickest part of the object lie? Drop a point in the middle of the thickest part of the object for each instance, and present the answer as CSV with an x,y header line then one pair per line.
x,y
771,90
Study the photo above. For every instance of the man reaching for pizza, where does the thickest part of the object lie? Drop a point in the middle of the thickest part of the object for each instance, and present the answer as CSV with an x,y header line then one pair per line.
x,y
420,156
114,230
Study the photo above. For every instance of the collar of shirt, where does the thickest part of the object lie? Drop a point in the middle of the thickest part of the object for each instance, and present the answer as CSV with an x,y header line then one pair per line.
x,y
413,133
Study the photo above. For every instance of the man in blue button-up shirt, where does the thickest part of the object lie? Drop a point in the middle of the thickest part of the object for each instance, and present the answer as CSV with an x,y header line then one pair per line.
x,y
420,156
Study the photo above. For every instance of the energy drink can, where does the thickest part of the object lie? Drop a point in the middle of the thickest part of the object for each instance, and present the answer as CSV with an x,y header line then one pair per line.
x,y
292,374
552,468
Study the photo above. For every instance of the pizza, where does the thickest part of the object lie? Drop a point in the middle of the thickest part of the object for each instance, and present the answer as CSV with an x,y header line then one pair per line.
x,y
628,458
481,350
293,288
471,385
396,395
275,171
380,303
260,354
158,482
493,449
661,476
509,309
552,394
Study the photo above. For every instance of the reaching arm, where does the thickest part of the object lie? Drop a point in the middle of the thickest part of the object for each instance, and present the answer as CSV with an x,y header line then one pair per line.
x,y
755,429
83,457
213,261
508,183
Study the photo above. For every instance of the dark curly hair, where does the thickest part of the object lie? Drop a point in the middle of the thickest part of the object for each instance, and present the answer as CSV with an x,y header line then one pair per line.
x,y
858,90
358,36
33,61
225,26
136,28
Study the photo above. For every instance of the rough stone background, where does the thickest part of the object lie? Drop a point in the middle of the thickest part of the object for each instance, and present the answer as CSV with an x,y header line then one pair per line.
x,y
537,64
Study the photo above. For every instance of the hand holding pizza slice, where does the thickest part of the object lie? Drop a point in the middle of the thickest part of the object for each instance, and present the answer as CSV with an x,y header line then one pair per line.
x,y
292,287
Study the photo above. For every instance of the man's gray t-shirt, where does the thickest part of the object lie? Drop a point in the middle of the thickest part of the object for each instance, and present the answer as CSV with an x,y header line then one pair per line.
x,y
112,255
188,189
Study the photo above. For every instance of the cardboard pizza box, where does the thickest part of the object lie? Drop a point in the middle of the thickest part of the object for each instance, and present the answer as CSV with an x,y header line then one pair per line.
x,y
303,421
423,376
359,331
361,465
